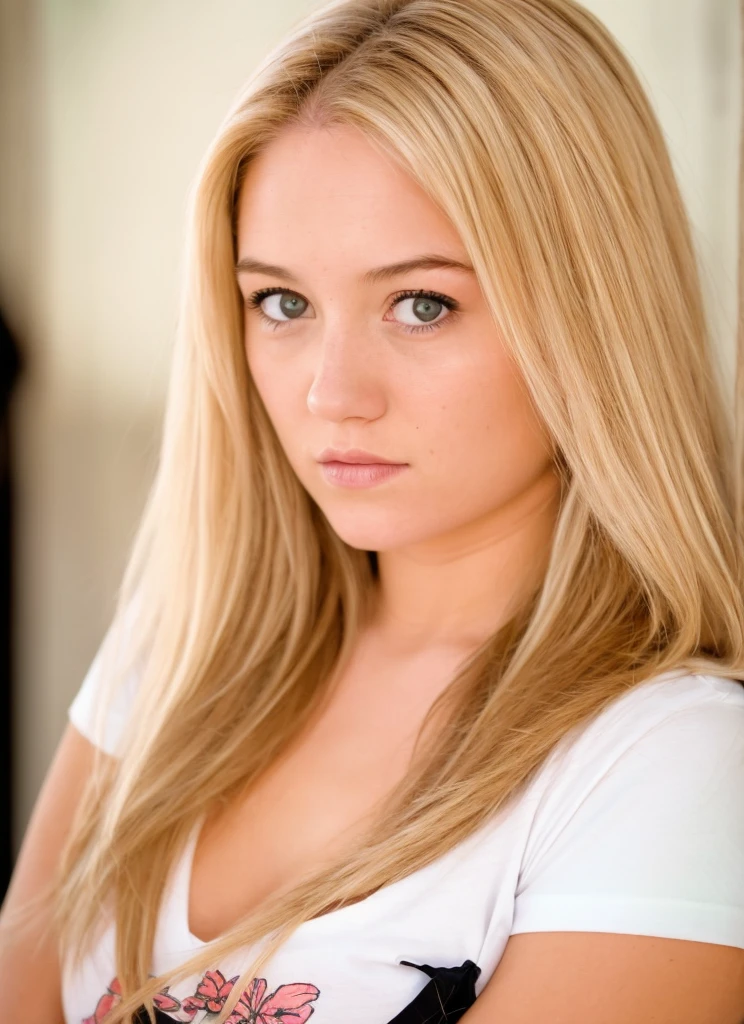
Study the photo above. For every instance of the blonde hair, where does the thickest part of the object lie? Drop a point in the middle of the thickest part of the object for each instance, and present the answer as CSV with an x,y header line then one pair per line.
x,y
525,122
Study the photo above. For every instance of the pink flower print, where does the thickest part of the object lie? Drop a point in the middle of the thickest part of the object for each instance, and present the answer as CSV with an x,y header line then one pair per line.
x,y
105,1003
211,993
288,1003
164,1001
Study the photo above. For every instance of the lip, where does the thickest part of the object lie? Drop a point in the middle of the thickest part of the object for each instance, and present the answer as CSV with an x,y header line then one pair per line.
x,y
364,474
356,456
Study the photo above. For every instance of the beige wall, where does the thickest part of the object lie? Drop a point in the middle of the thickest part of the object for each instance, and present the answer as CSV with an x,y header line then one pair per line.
x,y
107,110
113,105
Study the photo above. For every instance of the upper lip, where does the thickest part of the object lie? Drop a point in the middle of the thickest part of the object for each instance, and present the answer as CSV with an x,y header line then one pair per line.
x,y
355,455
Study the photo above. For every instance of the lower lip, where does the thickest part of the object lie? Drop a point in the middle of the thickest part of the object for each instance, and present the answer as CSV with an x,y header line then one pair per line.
x,y
362,474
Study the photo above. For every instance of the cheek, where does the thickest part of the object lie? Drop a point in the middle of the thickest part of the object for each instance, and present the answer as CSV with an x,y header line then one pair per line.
x,y
278,393
485,434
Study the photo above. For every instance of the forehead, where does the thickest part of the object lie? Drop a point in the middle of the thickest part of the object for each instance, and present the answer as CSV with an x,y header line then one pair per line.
x,y
333,194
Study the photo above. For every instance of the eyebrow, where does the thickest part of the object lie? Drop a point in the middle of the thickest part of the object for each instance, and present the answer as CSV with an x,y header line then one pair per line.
x,y
428,262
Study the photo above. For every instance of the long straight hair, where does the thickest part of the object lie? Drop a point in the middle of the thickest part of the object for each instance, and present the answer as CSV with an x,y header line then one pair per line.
x,y
526,123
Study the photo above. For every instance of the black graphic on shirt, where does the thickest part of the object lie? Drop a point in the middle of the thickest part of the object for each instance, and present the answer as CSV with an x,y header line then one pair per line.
x,y
140,1017
445,999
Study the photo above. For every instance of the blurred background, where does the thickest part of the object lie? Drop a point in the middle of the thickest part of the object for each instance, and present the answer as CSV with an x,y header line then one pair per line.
x,y
106,107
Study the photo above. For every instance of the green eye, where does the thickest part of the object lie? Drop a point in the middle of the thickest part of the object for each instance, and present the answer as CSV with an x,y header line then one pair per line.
x,y
292,305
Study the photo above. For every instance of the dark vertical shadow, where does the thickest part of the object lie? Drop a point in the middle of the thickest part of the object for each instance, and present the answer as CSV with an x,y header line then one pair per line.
x,y
10,365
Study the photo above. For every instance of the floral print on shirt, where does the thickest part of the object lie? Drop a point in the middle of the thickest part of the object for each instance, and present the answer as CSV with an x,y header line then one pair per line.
x,y
288,1003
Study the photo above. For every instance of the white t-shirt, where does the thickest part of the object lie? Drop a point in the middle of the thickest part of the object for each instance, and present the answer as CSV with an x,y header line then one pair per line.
x,y
635,824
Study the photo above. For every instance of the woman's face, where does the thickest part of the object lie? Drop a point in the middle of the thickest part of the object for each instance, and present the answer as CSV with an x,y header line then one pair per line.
x,y
354,362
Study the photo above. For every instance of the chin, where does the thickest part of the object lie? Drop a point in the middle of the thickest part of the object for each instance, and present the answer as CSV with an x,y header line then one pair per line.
x,y
368,533
363,540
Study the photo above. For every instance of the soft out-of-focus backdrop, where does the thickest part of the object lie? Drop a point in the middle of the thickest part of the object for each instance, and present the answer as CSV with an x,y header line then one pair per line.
x,y
106,108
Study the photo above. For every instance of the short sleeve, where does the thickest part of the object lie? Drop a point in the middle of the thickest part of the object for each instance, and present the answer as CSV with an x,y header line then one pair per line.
x,y
100,719
653,843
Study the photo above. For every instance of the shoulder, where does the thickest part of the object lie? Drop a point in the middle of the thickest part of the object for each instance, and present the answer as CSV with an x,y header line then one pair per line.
x,y
671,742
673,693
676,711
103,703
642,808
638,833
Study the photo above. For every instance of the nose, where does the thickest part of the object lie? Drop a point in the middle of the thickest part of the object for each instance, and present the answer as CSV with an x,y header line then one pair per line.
x,y
347,380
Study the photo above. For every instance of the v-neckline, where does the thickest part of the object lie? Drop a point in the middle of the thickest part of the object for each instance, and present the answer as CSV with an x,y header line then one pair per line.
x,y
179,890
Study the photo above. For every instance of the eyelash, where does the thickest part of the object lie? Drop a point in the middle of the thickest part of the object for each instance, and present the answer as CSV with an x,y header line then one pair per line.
x,y
256,298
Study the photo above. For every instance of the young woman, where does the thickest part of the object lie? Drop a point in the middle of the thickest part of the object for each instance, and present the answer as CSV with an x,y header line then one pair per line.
x,y
423,699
